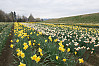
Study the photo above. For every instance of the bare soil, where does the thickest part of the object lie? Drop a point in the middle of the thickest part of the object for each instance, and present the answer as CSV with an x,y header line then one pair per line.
x,y
93,60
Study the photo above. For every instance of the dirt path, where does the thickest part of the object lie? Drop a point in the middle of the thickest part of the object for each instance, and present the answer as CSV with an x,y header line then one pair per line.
x,y
6,57
92,61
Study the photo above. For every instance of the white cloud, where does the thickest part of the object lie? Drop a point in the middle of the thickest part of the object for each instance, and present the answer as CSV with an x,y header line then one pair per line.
x,y
50,8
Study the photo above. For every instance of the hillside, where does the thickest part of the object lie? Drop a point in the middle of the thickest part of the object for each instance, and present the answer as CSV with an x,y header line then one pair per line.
x,y
87,18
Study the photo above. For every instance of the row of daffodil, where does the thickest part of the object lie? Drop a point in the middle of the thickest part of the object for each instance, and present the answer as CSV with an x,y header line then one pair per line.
x,y
3,25
80,40
33,48
4,34
87,24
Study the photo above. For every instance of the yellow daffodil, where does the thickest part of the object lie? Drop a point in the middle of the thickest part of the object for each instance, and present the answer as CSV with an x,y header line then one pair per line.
x,y
40,33
60,48
34,40
64,60
19,35
60,43
11,45
17,40
21,64
22,55
63,50
19,53
11,41
45,41
68,49
25,47
50,38
40,50
56,57
25,44
18,50
29,43
22,37
37,59
31,33
41,54
39,44
55,40
81,60
34,57
37,34
75,52
33,44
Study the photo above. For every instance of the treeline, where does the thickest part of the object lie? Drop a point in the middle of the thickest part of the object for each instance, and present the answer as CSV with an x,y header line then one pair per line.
x,y
12,17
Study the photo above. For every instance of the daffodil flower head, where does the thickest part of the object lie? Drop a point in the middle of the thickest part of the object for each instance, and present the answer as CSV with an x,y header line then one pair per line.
x,y
17,40
45,41
11,45
11,41
29,42
33,44
81,60
64,60
68,50
22,64
41,54
34,57
56,57
37,59
75,52
40,50
22,55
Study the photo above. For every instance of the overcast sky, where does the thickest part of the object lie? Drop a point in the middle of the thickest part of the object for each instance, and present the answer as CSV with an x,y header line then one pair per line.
x,y
50,8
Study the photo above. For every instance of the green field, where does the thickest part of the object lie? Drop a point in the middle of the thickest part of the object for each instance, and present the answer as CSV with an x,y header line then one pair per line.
x,y
87,18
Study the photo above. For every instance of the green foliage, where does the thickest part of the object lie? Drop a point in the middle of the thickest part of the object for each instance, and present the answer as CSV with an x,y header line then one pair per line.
x,y
4,34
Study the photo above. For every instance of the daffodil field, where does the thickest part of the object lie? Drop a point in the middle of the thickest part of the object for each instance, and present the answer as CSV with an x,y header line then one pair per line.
x,y
49,44
35,48
41,44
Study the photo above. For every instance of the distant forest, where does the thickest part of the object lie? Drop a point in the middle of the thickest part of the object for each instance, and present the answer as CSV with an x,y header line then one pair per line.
x,y
13,17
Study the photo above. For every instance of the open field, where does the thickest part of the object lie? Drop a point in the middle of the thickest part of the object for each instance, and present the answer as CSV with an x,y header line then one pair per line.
x,y
87,18
48,44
